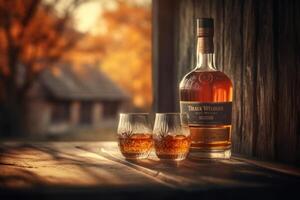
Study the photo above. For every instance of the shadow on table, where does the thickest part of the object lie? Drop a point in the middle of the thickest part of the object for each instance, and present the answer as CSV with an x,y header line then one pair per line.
x,y
194,173
211,178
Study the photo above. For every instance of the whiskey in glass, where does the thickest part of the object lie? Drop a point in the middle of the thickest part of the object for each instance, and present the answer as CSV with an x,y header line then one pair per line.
x,y
135,135
171,136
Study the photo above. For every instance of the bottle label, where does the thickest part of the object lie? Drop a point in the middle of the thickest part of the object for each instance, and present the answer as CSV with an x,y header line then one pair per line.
x,y
209,135
199,113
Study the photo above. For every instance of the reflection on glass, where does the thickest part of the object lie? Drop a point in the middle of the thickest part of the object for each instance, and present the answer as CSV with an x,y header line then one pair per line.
x,y
171,136
135,135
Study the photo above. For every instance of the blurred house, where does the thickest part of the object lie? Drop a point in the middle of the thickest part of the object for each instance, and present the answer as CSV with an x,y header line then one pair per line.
x,y
66,98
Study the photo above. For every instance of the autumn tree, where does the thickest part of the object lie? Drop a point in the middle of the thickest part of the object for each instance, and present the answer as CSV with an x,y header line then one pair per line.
x,y
33,35
128,57
123,48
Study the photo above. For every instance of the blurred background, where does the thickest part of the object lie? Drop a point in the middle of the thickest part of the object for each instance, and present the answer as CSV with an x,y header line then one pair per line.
x,y
67,68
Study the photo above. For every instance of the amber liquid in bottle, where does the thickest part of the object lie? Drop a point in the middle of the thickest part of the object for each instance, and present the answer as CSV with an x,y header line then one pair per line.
x,y
206,96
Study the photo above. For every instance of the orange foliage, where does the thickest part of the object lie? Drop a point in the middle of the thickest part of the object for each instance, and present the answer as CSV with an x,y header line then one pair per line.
x,y
128,57
32,38
123,51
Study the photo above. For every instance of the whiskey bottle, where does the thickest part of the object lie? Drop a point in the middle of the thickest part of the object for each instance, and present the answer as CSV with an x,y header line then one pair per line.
x,y
206,96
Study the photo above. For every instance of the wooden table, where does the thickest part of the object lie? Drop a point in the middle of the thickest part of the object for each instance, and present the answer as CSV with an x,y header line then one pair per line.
x,y
96,169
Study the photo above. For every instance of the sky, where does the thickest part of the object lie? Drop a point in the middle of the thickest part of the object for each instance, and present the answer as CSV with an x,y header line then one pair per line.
x,y
88,15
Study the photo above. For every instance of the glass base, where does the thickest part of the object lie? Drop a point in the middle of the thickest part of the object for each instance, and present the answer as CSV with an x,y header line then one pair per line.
x,y
172,157
210,154
135,156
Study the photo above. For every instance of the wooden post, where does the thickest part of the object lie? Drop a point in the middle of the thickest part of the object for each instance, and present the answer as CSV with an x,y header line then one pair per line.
x,y
165,88
74,113
39,117
97,113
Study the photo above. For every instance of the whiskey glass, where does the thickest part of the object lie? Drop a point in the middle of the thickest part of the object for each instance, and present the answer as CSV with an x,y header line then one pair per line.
x,y
171,136
135,135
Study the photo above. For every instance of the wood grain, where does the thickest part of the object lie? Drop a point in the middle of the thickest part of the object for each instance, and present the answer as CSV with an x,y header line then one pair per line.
x,y
164,81
287,132
257,45
100,164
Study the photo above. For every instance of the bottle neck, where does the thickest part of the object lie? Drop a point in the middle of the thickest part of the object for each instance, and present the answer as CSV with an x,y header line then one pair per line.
x,y
205,54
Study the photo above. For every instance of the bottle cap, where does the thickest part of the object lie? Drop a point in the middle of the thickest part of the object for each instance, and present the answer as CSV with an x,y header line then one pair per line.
x,y
205,23
205,27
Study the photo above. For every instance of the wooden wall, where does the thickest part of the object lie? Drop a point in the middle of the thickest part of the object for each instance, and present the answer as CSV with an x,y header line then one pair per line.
x,y
257,43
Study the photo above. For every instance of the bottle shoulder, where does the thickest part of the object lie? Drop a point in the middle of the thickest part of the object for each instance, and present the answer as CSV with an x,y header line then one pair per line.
x,y
204,77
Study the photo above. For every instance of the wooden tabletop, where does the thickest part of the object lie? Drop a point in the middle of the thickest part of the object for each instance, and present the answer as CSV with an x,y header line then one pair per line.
x,y
96,169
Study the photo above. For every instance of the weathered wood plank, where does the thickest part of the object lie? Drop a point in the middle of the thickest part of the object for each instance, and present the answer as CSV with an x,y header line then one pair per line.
x,y
100,163
164,70
278,167
97,169
248,32
187,45
287,81
265,114
218,14
233,66
62,164
257,45
297,64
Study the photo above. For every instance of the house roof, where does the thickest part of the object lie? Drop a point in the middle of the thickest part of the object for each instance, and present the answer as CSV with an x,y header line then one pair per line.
x,y
86,82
